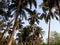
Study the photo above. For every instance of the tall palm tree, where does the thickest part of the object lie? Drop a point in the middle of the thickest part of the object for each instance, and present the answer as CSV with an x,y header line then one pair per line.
x,y
47,20
31,30
48,5
19,6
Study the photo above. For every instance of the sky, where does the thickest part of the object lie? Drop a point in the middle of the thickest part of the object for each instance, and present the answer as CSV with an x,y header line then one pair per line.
x,y
55,25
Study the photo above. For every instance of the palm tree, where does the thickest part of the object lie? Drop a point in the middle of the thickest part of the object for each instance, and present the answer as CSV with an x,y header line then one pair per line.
x,y
48,5
26,35
17,6
5,39
33,18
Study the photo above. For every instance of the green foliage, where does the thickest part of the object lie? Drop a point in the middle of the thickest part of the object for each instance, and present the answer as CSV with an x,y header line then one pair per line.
x,y
5,40
0,34
43,43
13,7
19,9
25,36
55,38
48,13
33,17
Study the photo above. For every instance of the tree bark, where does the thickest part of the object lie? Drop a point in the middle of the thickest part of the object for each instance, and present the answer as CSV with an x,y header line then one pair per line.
x,y
5,30
49,34
11,38
14,27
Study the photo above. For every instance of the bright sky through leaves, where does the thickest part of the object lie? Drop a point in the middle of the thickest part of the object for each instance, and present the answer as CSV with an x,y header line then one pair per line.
x,y
55,25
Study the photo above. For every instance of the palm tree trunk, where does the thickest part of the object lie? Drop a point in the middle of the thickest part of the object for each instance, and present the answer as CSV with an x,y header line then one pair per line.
x,y
14,27
11,38
5,30
49,34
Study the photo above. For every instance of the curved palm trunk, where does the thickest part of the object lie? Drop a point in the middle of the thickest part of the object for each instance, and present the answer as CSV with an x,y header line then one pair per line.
x,y
49,34
15,24
5,30
11,38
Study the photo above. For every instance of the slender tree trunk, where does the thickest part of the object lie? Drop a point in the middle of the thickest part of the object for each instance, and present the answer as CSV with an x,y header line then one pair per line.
x,y
5,30
14,27
12,35
49,34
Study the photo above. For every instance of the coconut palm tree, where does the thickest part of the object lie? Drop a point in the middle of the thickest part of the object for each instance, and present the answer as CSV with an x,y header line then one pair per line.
x,y
34,18
48,5
19,6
